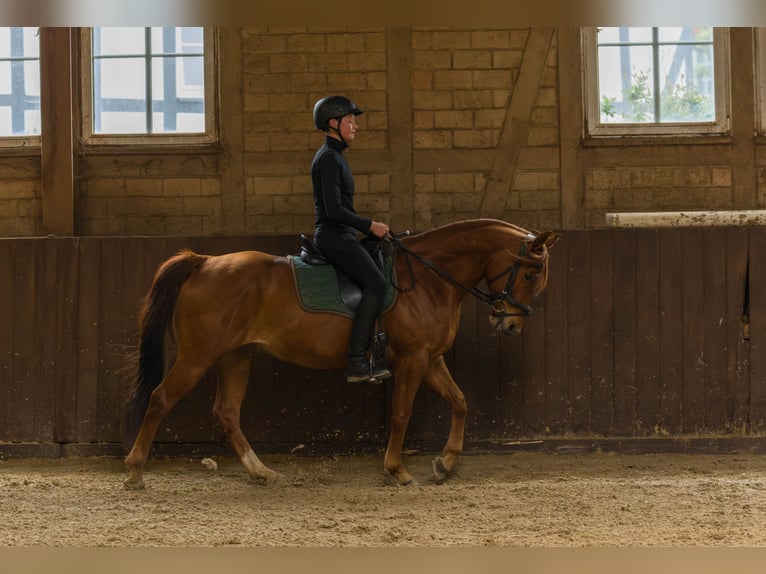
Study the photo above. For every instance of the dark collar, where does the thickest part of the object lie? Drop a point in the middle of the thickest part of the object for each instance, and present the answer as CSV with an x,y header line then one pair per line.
x,y
334,144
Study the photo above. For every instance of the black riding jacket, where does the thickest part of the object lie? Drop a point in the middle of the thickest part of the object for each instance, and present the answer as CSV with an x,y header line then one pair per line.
x,y
334,192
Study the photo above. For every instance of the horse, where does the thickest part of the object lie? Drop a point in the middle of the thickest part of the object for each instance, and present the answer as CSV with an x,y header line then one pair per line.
x,y
214,307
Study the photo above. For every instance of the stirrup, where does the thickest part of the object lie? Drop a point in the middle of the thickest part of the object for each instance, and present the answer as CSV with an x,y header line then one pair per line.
x,y
378,375
358,370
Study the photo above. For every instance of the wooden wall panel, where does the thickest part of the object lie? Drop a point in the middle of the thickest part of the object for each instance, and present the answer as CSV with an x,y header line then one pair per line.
x,y
757,386
625,276
578,318
736,376
24,390
64,368
601,331
7,330
88,332
647,340
670,320
717,342
557,406
640,334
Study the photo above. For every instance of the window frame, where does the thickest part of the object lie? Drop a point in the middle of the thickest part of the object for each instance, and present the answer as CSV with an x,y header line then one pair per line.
x,y
92,141
595,129
31,142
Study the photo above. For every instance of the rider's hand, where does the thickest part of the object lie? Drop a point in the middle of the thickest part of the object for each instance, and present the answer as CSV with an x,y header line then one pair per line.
x,y
379,229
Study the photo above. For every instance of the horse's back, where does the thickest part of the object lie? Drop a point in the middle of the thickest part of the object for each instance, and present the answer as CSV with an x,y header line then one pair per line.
x,y
230,275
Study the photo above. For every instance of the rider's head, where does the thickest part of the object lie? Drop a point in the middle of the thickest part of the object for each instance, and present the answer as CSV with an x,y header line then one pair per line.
x,y
333,108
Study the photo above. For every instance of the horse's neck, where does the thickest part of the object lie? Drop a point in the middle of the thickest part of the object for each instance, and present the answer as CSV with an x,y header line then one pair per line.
x,y
464,250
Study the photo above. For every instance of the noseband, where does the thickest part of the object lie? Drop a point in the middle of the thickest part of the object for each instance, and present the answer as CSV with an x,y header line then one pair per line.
x,y
491,299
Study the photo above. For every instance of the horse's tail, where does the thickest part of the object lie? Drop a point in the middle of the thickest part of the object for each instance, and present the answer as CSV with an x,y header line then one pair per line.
x,y
155,317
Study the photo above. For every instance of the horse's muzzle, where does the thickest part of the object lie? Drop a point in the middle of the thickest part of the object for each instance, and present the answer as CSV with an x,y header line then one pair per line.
x,y
509,325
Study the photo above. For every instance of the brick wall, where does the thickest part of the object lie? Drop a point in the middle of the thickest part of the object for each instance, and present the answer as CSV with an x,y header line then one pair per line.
x,y
151,206
284,72
462,84
453,89
665,188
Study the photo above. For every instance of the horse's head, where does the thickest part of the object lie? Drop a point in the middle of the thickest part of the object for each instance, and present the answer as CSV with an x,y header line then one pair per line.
x,y
522,276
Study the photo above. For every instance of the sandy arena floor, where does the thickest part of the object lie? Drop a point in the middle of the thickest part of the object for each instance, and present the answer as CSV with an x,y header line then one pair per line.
x,y
519,500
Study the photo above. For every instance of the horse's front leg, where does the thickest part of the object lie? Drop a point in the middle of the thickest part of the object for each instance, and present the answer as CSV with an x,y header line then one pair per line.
x,y
408,376
439,379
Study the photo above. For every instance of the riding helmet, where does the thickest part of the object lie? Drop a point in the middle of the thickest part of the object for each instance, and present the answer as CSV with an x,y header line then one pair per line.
x,y
333,107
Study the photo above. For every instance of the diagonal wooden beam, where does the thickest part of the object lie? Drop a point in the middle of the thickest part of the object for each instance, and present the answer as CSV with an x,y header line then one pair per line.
x,y
516,125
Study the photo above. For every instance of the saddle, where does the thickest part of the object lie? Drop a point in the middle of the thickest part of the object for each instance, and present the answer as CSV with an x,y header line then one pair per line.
x,y
350,291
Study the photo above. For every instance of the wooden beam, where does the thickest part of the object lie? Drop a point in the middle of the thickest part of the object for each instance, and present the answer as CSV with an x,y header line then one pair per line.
x,y
571,129
58,203
744,172
399,53
232,137
516,127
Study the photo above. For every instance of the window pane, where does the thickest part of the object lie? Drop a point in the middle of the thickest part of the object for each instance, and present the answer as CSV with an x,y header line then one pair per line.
x,y
123,122
626,87
191,122
5,78
624,35
118,41
32,122
685,34
122,78
192,40
32,78
174,92
31,42
120,99
177,40
688,93
19,81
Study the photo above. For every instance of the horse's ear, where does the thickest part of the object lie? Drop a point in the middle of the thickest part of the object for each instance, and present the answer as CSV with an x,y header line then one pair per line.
x,y
547,239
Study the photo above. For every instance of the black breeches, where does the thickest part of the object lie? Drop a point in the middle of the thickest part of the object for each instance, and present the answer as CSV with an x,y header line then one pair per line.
x,y
349,255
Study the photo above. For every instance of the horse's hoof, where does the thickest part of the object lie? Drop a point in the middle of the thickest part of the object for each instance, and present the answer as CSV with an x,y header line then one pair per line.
x,y
410,482
440,471
132,484
274,479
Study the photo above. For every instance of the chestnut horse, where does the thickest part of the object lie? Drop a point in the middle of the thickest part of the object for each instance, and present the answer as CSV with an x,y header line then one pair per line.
x,y
215,306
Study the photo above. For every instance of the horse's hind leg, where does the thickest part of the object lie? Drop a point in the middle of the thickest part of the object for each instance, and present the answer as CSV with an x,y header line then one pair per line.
x,y
233,374
438,379
181,378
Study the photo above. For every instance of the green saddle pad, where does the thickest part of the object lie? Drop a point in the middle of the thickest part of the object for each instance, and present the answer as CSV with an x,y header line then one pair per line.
x,y
317,287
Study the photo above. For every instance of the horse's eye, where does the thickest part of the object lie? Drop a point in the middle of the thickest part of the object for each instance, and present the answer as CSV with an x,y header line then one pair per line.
x,y
528,277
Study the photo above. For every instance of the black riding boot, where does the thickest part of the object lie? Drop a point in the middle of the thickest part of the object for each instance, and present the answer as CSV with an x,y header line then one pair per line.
x,y
359,341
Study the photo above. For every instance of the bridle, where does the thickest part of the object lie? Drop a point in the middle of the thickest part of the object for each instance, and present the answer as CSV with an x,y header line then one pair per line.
x,y
491,299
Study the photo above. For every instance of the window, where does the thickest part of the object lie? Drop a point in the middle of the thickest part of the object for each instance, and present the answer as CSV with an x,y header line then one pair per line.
x,y
655,81
19,82
148,84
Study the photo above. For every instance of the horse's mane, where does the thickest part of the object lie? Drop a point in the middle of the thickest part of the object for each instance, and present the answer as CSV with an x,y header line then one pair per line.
x,y
466,225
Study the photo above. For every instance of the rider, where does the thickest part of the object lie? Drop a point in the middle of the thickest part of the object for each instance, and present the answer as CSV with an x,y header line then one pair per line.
x,y
337,223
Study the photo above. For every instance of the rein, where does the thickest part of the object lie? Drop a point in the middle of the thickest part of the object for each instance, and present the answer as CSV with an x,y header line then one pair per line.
x,y
490,299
